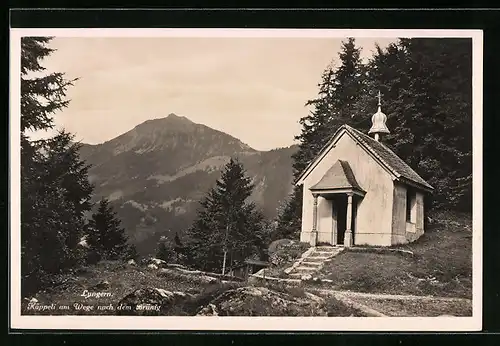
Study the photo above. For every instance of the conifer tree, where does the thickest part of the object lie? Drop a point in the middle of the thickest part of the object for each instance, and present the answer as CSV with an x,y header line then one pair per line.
x,y
179,249
131,253
107,238
427,96
55,192
226,223
165,251
337,104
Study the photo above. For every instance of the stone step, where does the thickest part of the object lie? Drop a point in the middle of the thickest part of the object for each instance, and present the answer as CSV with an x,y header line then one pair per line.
x,y
311,264
324,251
321,254
316,259
319,258
305,268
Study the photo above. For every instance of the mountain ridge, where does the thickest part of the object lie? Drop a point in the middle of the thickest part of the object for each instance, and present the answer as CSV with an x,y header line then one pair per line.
x,y
156,173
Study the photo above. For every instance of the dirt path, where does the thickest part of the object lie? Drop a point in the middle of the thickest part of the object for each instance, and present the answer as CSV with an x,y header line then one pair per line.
x,y
401,305
389,296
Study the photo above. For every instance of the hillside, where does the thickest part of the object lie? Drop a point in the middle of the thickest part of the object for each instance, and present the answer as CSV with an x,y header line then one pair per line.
x,y
438,264
114,288
156,173
432,277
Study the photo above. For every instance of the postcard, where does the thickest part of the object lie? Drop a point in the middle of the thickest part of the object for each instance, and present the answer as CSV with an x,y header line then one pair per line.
x,y
246,179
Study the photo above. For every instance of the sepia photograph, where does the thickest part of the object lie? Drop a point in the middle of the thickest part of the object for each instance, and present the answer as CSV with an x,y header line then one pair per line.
x,y
187,175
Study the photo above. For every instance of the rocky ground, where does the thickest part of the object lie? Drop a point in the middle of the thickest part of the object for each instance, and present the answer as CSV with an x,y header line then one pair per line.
x,y
160,289
431,277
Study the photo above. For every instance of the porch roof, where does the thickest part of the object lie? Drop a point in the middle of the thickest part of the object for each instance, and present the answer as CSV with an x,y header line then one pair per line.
x,y
339,177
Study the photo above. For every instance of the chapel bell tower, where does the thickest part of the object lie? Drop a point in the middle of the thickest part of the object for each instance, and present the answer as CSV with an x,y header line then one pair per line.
x,y
378,122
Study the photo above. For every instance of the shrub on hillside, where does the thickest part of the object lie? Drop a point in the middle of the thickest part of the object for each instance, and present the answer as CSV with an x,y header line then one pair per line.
x,y
287,253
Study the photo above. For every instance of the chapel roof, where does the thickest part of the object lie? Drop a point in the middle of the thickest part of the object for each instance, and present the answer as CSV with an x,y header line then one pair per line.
x,y
339,176
389,158
385,155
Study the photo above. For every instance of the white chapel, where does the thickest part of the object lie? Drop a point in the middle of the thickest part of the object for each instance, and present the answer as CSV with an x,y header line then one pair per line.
x,y
359,192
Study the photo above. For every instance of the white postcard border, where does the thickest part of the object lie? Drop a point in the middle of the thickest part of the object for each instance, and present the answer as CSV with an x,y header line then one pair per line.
x,y
17,321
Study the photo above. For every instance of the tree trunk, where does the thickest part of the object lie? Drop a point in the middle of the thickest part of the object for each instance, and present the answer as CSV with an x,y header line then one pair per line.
x,y
224,263
225,250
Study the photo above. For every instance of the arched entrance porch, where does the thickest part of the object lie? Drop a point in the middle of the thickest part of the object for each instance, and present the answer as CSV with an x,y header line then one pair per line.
x,y
343,214
340,190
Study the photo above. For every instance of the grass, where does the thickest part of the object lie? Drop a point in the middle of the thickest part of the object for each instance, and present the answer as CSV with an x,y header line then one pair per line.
x,y
231,298
336,308
414,307
122,278
441,264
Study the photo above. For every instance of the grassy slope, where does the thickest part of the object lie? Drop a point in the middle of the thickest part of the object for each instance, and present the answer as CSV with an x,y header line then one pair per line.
x,y
415,307
123,279
441,264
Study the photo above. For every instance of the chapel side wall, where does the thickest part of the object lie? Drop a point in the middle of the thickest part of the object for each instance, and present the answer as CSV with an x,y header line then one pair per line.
x,y
402,230
374,213
418,229
399,215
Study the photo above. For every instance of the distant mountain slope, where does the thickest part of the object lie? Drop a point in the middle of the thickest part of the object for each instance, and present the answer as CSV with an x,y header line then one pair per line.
x,y
156,173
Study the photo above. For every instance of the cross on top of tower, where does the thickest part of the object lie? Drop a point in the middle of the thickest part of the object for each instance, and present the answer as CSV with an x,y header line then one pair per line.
x,y
379,97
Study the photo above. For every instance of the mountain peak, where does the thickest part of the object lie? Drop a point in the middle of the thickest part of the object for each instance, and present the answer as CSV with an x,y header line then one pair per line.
x,y
170,120
175,116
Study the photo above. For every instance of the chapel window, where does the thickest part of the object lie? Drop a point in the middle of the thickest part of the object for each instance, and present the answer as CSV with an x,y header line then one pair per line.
x,y
410,205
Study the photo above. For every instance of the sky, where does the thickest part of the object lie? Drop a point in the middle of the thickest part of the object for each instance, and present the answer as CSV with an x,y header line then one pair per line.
x,y
254,89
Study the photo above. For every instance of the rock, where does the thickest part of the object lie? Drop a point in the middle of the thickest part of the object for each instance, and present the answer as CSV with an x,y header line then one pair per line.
x,y
150,301
103,285
306,277
314,297
262,301
209,310
288,270
173,265
152,266
315,279
131,262
157,262
200,278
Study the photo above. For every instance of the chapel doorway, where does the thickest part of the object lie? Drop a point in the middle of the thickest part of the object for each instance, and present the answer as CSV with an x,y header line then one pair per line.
x,y
340,213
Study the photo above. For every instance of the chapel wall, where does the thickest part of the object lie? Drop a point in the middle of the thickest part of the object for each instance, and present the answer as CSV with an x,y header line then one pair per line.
x,y
373,224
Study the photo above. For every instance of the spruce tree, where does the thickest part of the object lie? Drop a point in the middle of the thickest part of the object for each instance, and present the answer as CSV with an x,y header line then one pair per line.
x,y
165,251
427,96
226,222
179,249
107,239
55,192
337,103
